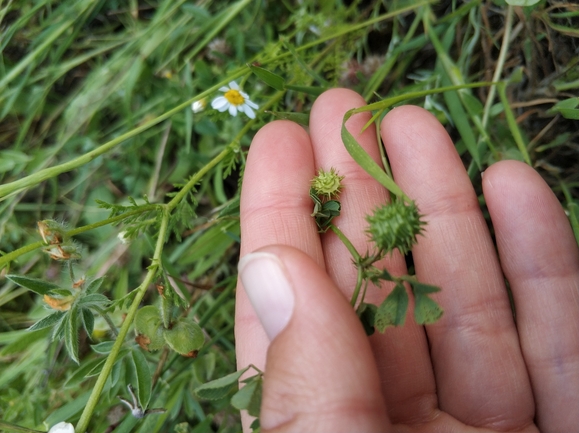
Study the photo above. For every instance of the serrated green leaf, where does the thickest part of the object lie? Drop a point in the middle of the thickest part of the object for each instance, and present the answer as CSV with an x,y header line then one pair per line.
x,y
392,312
268,77
426,311
249,397
48,321
184,337
37,286
71,333
95,285
219,388
144,378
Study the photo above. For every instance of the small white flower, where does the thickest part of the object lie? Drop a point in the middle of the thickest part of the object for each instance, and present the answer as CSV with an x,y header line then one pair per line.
x,y
62,427
234,100
123,237
198,106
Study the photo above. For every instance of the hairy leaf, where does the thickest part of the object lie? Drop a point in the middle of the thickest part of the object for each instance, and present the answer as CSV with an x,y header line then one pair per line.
x,y
38,286
144,378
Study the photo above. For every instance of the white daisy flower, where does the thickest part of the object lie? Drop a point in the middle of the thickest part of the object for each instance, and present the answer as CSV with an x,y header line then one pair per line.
x,y
198,106
62,427
234,100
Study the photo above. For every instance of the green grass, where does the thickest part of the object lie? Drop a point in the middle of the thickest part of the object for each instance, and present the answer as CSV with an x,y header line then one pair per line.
x,y
95,108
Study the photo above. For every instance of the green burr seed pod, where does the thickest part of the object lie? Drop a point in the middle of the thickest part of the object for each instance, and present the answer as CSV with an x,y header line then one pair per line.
x,y
327,184
395,225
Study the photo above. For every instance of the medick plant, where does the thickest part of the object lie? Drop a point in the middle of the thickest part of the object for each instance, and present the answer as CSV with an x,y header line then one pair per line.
x,y
395,225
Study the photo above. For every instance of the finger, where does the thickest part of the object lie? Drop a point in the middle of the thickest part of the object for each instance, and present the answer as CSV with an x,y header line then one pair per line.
x,y
541,262
275,209
320,372
474,346
402,354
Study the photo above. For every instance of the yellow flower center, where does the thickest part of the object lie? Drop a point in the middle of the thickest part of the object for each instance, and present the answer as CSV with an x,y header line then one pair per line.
x,y
234,97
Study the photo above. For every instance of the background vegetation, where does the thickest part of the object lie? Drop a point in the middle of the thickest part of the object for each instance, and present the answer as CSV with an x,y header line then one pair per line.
x,y
97,133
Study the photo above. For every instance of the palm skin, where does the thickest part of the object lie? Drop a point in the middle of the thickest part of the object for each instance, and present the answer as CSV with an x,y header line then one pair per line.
x,y
478,368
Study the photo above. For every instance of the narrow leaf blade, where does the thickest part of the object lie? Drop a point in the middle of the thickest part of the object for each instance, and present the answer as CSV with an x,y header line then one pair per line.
x,y
37,286
219,388
144,378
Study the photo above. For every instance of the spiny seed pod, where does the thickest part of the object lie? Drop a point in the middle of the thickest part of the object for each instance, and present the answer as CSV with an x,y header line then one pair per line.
x,y
395,225
327,184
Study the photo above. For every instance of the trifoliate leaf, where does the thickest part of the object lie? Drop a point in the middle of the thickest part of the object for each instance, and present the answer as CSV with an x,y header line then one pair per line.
x,y
426,311
38,286
185,337
392,312
249,397
219,388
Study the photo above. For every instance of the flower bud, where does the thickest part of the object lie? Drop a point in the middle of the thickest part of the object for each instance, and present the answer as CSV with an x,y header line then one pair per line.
x,y
60,304
52,232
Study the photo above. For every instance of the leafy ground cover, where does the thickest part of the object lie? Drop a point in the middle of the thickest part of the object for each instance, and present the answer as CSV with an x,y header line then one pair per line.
x,y
109,140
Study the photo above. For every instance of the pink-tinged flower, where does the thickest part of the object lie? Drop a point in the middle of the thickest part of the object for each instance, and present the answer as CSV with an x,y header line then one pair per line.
x,y
234,100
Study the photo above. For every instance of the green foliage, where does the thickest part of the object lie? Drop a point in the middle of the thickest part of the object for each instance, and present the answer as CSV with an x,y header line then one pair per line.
x,y
95,109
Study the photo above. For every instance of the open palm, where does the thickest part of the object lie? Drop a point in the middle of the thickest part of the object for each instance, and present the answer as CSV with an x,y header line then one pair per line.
x,y
479,368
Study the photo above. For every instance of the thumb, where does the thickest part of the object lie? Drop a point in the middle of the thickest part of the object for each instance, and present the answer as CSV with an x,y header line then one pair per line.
x,y
320,372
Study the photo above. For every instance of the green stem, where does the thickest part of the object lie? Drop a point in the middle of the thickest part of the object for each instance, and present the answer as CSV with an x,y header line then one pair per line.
x,y
7,258
500,66
107,318
359,280
109,363
346,242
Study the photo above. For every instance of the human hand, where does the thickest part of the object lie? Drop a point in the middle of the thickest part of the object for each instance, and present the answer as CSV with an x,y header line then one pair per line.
x,y
477,368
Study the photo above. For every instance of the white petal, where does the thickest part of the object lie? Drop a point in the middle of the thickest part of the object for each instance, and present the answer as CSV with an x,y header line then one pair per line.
x,y
62,427
219,103
233,110
245,95
233,85
249,111
224,89
251,104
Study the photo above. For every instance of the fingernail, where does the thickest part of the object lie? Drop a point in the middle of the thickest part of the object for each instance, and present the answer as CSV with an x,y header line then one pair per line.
x,y
268,289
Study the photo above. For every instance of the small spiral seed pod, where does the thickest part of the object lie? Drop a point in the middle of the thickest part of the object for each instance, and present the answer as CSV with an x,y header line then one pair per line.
x,y
395,225
327,184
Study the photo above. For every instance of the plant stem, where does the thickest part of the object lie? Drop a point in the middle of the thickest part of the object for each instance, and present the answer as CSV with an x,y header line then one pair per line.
x,y
7,258
346,242
500,65
109,363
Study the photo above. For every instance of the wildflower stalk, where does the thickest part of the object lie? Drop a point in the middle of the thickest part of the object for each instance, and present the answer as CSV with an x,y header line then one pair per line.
x,y
110,362
155,262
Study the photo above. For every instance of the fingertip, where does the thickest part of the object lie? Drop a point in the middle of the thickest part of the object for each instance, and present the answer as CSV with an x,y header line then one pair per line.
x,y
320,371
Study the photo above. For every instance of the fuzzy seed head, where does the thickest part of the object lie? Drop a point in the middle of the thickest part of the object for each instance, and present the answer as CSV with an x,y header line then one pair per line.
x,y
327,184
395,225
